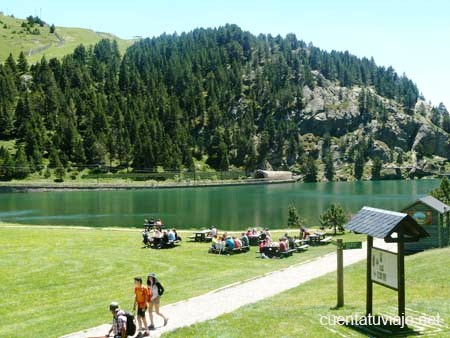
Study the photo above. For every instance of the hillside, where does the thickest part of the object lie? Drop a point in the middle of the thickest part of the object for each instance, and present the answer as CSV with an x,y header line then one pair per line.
x,y
38,41
224,97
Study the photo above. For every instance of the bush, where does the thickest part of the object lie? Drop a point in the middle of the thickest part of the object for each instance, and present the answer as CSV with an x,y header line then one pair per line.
x,y
47,173
60,173
74,175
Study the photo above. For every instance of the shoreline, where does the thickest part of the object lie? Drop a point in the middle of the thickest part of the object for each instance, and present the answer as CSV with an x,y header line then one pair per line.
x,y
6,187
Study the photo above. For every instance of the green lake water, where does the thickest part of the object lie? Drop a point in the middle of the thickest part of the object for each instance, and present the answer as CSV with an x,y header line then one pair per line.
x,y
232,207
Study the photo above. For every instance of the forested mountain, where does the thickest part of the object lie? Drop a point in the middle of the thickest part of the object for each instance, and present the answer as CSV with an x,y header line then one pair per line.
x,y
220,95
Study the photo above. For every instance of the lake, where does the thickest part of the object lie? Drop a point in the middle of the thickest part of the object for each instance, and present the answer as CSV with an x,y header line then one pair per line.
x,y
229,207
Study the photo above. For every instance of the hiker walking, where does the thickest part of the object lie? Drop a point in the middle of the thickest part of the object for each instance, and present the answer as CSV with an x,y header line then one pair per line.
x,y
141,296
157,291
119,325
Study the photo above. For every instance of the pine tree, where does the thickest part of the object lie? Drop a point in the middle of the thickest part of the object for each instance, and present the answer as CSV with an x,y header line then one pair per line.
x,y
22,64
309,170
442,192
6,165
376,168
218,152
21,166
329,167
294,220
358,168
333,218
60,172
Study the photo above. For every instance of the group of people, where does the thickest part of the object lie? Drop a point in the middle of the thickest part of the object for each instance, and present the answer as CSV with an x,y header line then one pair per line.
x,y
155,235
226,242
146,297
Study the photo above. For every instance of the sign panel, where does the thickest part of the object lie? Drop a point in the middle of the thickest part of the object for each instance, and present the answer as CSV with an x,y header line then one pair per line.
x,y
384,268
421,217
352,245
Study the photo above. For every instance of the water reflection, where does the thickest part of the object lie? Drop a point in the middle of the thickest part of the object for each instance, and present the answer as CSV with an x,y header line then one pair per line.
x,y
227,207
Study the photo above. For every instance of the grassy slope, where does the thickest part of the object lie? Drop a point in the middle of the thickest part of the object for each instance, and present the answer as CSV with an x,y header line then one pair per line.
x,y
14,39
60,280
296,313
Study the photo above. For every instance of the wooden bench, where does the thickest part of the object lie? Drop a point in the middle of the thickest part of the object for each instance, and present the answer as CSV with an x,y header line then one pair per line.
x,y
302,248
228,251
326,240
169,244
287,253
241,249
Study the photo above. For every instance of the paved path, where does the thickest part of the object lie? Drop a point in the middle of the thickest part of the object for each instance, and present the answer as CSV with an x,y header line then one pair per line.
x,y
212,304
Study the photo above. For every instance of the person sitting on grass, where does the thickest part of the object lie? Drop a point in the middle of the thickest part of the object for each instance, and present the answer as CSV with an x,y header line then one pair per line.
x,y
283,244
154,300
304,233
159,224
141,296
178,238
145,237
119,325
171,236
224,236
290,240
216,243
212,232
263,244
244,239
229,243
165,238
237,243
267,232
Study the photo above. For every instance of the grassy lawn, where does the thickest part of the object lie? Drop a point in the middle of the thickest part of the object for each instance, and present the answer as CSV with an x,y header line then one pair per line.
x,y
296,313
14,39
55,281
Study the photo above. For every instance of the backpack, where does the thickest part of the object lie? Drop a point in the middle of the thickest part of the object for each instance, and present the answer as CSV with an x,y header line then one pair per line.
x,y
131,324
160,288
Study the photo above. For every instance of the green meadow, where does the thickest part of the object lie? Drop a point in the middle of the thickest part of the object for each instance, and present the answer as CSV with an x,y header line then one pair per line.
x,y
297,312
58,280
14,38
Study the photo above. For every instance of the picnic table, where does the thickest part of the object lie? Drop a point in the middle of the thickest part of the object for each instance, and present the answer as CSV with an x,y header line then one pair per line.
x,y
314,239
274,251
253,240
201,236
301,245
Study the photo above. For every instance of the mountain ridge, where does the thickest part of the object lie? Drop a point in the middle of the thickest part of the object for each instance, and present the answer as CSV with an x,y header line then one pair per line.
x,y
228,98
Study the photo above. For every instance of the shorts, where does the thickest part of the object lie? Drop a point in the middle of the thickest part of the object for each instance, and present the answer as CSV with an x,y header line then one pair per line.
x,y
141,311
156,300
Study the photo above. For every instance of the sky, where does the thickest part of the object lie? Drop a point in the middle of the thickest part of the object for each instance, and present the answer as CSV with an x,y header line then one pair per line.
x,y
413,36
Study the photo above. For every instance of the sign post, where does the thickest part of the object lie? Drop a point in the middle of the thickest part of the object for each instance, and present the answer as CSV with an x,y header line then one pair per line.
x,y
369,286
384,267
340,247
340,273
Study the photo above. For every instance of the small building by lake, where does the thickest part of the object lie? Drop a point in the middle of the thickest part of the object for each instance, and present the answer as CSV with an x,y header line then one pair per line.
x,y
273,175
434,217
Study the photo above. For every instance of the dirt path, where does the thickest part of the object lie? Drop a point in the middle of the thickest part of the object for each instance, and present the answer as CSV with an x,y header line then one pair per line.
x,y
212,304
